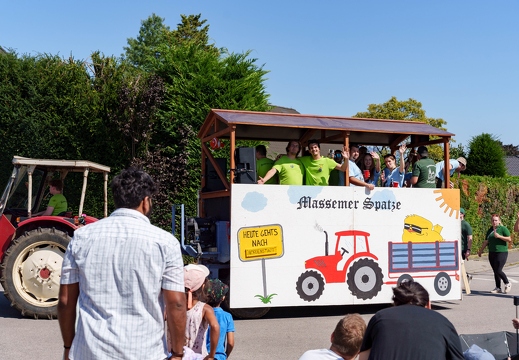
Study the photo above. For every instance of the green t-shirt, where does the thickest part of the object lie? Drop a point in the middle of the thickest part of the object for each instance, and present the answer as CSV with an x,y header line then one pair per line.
x,y
466,230
59,203
497,245
425,169
263,166
290,171
317,172
334,178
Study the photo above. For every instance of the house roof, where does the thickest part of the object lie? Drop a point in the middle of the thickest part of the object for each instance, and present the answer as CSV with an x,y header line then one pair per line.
x,y
249,125
512,165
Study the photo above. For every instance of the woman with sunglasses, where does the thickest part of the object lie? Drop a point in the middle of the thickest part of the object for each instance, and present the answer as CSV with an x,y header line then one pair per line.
x,y
497,239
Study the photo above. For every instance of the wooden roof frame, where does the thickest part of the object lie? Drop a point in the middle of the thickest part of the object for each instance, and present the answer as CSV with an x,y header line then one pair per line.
x,y
268,126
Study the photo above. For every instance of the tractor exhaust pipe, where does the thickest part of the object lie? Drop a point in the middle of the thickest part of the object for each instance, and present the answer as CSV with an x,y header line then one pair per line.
x,y
326,244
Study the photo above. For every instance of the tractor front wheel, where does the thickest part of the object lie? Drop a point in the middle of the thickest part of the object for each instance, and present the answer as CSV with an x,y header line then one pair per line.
x,y
31,272
310,285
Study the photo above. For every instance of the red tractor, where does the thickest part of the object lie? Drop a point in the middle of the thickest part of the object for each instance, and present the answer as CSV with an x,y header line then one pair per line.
x,y
32,248
352,257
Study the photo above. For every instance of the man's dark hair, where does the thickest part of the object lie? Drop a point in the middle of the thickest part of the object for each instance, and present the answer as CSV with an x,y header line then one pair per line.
x,y
410,292
57,183
262,150
131,186
314,141
390,156
352,145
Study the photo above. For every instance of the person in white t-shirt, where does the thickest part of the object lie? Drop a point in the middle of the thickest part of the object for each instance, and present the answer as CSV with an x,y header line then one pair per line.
x,y
346,340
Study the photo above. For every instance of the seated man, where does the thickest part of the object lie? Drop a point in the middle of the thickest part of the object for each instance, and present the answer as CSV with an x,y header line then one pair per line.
x,y
58,202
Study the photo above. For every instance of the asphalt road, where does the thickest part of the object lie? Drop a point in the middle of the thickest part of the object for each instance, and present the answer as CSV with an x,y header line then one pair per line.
x,y
285,333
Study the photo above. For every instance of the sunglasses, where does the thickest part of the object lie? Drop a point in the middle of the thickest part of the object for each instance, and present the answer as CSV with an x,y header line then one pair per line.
x,y
414,228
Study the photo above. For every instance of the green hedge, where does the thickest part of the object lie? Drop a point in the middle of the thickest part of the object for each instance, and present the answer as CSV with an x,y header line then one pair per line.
x,y
482,196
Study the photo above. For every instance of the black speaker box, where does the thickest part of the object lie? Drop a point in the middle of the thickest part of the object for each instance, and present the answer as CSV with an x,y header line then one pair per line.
x,y
212,180
245,159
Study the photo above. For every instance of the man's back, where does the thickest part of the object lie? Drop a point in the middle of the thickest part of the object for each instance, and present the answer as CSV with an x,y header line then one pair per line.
x,y
122,264
425,170
410,332
59,203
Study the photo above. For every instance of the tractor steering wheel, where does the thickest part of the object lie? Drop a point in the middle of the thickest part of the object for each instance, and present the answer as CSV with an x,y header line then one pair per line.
x,y
344,251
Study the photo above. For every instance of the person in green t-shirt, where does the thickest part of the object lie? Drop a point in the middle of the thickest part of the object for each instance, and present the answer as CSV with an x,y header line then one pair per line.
x,y
466,236
264,164
424,170
288,167
497,239
318,168
58,202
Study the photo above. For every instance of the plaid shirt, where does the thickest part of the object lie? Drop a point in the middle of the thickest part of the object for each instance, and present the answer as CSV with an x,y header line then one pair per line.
x,y
122,263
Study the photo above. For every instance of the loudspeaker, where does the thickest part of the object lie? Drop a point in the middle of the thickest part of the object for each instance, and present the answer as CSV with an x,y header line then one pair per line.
x,y
212,180
245,159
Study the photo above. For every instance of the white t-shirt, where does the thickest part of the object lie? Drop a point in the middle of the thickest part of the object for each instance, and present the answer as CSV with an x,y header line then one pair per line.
x,y
321,354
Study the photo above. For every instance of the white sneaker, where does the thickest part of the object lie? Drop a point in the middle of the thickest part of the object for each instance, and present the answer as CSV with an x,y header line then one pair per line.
x,y
497,291
508,287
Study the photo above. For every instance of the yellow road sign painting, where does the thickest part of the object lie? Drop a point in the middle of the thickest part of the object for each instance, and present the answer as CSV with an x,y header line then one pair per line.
x,y
260,242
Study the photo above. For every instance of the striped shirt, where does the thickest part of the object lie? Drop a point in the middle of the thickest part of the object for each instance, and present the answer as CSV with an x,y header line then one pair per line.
x,y
122,263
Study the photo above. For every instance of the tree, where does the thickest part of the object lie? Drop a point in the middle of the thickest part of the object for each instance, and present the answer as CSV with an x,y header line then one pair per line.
x,y
58,108
152,33
410,110
456,152
197,77
192,29
510,150
486,157
139,100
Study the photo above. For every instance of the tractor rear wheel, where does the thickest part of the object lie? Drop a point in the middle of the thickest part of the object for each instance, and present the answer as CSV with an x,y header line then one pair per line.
x,y
31,272
365,279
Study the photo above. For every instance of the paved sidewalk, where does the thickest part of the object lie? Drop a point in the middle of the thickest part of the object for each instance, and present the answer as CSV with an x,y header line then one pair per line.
x,y
477,264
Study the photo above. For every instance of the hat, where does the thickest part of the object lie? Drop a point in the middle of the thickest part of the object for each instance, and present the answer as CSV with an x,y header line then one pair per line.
x,y
194,276
462,160
422,151
476,353
216,291
462,210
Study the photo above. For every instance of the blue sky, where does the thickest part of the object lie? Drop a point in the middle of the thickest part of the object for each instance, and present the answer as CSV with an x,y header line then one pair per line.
x,y
460,59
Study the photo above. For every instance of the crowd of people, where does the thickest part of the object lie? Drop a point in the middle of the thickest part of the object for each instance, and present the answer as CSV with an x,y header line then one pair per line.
x,y
363,167
125,292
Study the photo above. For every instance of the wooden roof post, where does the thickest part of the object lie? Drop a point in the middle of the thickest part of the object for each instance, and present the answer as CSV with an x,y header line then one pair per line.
x,y
446,164
232,138
347,145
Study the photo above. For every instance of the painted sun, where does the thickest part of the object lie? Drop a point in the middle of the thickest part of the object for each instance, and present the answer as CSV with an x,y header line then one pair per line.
x,y
450,199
